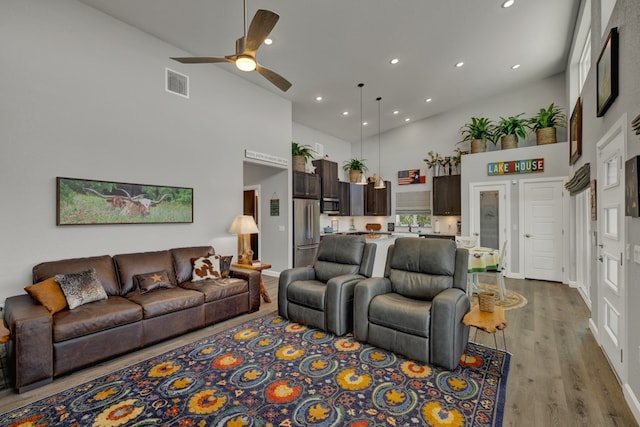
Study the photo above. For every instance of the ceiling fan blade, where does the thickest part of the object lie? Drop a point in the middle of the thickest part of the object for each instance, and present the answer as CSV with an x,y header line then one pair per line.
x,y
275,78
261,25
201,60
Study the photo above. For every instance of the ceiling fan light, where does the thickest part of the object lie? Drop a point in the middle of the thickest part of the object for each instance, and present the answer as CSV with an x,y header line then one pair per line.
x,y
246,63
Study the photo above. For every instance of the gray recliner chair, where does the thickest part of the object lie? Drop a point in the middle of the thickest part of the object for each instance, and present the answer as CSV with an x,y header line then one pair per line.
x,y
416,310
322,295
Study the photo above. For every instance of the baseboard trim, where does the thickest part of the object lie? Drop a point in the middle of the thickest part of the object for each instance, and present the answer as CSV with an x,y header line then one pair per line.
x,y
594,329
271,273
632,401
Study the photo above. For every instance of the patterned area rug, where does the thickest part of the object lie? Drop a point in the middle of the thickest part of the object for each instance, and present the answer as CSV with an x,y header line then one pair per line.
x,y
511,300
270,372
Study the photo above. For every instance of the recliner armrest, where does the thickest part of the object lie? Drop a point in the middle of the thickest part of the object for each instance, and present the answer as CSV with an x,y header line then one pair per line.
x,y
339,303
286,278
364,293
448,335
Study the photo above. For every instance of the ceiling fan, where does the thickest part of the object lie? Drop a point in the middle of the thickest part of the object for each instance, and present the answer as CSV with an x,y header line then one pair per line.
x,y
247,46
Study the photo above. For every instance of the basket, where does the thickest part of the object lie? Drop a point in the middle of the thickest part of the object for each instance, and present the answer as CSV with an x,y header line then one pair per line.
x,y
486,301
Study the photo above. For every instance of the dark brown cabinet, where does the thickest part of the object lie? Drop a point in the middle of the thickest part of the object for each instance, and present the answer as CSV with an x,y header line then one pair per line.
x,y
345,195
328,172
306,185
351,199
446,195
378,202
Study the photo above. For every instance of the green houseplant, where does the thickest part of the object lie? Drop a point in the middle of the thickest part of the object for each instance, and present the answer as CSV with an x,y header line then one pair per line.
x,y
355,168
478,131
545,122
300,154
434,160
510,130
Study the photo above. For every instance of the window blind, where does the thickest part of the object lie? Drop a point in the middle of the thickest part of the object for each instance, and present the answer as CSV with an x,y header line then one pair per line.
x,y
413,202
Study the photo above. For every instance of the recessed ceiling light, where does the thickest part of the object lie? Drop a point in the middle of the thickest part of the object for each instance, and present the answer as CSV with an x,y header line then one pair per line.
x,y
459,64
365,123
428,100
407,119
515,67
345,113
268,42
394,61
396,112
319,98
508,3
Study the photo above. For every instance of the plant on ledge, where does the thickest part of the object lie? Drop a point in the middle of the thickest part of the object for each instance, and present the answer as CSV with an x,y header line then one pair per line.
x,y
478,131
300,154
545,122
433,159
511,129
356,167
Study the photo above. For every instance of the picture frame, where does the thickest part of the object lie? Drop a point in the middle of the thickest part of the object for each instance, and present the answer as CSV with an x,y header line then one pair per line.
x,y
92,202
575,133
607,73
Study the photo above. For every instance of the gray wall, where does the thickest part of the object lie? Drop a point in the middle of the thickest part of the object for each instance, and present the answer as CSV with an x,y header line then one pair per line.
x,y
83,97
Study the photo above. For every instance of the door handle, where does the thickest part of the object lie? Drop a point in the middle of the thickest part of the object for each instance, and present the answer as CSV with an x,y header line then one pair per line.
x,y
527,235
600,258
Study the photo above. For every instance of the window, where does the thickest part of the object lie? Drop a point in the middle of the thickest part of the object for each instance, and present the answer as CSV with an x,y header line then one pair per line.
x,y
584,64
413,208
418,219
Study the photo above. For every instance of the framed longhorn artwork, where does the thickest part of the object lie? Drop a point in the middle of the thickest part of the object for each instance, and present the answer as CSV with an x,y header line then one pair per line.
x,y
90,202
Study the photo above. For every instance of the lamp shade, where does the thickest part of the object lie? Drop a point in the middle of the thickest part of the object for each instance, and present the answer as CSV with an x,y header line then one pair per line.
x,y
243,224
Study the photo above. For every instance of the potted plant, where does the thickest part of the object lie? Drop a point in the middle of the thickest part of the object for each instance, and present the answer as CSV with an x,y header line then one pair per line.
x,y
545,123
510,130
434,160
355,168
456,159
300,154
478,131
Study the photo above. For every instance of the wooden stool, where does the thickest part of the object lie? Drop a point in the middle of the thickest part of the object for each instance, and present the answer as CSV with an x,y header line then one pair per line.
x,y
489,322
5,337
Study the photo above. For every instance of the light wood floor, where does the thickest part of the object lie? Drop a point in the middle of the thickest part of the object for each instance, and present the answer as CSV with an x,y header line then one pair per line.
x,y
558,377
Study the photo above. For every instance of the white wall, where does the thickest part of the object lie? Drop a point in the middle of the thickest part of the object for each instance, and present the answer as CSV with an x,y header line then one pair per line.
x,y
84,98
338,150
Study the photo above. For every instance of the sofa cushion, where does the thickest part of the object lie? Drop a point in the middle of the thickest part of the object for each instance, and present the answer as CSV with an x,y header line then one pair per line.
x,y
96,317
215,290
206,268
308,293
49,294
400,313
102,264
128,265
152,281
182,260
163,301
81,288
338,255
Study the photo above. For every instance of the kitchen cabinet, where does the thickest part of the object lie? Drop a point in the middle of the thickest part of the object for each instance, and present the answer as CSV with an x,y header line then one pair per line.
x,y
329,184
446,195
378,202
351,199
345,194
306,185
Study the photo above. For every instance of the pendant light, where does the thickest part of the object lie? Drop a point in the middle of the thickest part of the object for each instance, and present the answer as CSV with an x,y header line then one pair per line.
x,y
379,182
363,179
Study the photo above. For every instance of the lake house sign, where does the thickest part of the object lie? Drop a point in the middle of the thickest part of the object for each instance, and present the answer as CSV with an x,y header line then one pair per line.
x,y
515,166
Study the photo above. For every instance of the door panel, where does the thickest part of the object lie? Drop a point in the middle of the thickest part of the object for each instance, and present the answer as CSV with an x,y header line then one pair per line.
x,y
489,215
611,273
542,229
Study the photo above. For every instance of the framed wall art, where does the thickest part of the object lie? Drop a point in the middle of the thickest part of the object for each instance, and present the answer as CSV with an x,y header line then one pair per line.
x,y
607,73
90,202
575,133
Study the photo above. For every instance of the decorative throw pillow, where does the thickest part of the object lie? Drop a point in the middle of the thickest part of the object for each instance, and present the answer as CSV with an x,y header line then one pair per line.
x,y
49,294
206,268
225,265
81,288
152,281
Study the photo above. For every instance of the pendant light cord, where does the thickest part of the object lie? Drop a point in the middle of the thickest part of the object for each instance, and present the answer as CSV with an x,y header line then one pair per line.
x,y
360,85
379,162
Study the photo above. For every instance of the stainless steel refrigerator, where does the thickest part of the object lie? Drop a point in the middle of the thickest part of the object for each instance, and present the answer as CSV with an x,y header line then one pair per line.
x,y
306,231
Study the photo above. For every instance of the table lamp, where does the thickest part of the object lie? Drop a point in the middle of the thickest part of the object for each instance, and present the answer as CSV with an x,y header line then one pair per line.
x,y
244,226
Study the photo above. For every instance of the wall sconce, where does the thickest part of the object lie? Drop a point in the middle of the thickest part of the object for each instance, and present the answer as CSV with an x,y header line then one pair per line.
x,y
244,226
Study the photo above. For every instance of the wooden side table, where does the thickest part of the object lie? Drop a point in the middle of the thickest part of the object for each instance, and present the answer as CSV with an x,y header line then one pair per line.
x,y
489,322
259,268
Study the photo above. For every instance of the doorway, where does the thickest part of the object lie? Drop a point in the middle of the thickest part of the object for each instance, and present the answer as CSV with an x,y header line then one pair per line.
x,y
542,218
490,218
612,314
251,206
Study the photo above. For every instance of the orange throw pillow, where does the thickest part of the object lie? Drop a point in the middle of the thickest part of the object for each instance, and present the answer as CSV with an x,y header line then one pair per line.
x,y
49,294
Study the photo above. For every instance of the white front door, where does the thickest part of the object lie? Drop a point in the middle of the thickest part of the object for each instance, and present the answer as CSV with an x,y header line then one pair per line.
x,y
542,229
489,213
611,274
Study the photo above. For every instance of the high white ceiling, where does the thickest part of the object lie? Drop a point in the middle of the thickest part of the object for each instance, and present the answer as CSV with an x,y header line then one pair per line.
x,y
327,47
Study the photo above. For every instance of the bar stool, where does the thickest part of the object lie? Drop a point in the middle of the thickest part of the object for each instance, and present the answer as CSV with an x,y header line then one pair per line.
x,y
5,336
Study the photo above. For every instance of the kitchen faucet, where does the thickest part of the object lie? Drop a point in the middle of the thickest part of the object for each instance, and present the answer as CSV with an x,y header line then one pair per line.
x,y
409,228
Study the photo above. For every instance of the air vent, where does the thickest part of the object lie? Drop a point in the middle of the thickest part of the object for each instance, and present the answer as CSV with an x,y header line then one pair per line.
x,y
177,83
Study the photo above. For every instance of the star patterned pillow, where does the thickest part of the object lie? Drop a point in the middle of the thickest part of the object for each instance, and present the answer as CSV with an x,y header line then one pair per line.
x,y
152,281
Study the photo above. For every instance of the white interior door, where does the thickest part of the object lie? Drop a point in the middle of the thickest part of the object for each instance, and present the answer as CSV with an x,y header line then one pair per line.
x,y
489,213
542,229
611,273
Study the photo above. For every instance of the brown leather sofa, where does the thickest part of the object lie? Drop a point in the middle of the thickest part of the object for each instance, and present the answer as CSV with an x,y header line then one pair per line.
x,y
45,346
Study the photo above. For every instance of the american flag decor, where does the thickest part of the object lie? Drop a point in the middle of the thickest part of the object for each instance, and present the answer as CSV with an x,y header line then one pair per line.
x,y
411,176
